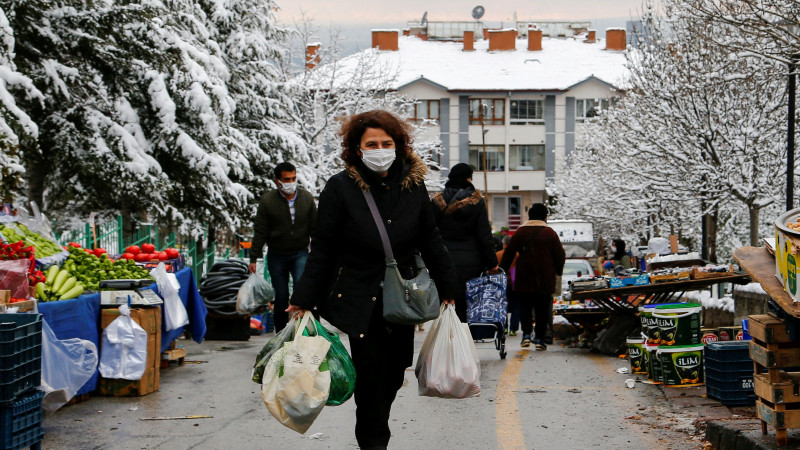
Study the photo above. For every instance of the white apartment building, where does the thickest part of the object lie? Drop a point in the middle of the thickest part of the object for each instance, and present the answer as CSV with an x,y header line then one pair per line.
x,y
534,92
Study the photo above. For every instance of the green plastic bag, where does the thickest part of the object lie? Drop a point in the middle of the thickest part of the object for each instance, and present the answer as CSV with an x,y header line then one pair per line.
x,y
272,346
343,372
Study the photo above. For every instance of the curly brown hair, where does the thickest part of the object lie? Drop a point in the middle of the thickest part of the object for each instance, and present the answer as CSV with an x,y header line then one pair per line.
x,y
356,125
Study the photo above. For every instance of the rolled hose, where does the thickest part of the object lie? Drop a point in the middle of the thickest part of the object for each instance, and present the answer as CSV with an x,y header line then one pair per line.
x,y
219,287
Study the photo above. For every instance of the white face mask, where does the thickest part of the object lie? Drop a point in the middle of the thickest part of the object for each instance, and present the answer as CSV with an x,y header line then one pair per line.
x,y
378,160
288,188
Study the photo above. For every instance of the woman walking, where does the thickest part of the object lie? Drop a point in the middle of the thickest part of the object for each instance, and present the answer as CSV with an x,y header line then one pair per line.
x,y
462,219
345,269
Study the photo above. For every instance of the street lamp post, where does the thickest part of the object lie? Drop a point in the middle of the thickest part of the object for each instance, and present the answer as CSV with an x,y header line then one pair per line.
x,y
790,134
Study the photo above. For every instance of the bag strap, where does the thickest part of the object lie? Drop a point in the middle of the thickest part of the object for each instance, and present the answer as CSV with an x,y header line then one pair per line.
x,y
387,247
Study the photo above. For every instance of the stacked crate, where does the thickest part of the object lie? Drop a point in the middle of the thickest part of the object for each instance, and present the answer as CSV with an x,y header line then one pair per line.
x,y
20,375
729,373
774,353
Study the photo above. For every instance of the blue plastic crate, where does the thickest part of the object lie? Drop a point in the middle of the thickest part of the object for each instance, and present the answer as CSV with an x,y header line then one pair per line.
x,y
19,379
19,332
18,418
725,374
31,437
742,383
728,351
738,398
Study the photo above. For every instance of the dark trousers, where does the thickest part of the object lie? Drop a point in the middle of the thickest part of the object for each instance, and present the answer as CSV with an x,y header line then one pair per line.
x,y
380,358
280,267
513,310
540,305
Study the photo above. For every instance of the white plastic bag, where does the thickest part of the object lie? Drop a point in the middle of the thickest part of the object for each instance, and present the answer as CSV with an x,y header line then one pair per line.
x,y
124,348
175,315
254,294
295,387
448,364
66,366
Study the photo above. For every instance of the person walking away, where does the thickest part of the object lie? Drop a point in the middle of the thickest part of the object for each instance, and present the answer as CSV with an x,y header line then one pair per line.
x,y
513,304
620,256
284,222
346,266
541,259
461,216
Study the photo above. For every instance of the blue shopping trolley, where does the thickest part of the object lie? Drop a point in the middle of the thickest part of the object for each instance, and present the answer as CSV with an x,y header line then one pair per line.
x,y
487,309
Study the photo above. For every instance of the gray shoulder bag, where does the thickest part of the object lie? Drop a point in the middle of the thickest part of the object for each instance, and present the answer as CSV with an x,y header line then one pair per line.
x,y
407,302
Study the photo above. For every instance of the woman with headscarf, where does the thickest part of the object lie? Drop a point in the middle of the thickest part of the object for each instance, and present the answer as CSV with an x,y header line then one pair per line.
x,y
620,257
462,219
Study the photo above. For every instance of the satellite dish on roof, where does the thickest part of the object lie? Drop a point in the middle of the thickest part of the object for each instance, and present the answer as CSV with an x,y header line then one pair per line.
x,y
424,18
477,12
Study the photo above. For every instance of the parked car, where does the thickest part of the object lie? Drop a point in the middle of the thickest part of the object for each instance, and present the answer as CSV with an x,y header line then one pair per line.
x,y
573,269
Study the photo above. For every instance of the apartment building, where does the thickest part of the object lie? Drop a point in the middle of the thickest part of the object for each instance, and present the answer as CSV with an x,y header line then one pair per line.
x,y
506,102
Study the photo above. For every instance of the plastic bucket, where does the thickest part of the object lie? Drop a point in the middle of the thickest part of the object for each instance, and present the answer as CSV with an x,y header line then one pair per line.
x,y
681,364
636,352
678,324
649,324
654,370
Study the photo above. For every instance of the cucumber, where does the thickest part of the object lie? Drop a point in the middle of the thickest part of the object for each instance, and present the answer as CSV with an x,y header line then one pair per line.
x,y
51,275
40,292
72,293
69,284
59,281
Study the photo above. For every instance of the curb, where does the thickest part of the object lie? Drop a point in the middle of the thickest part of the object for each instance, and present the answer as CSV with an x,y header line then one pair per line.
x,y
741,435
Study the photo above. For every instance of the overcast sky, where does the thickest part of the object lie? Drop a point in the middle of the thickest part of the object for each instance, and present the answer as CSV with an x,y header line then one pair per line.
x,y
353,19
351,12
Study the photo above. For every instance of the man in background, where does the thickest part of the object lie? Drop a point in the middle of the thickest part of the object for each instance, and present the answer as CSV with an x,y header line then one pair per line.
x,y
284,222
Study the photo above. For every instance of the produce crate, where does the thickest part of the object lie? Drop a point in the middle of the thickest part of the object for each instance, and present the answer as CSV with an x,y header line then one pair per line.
x,y
19,418
31,437
20,354
732,398
698,274
738,382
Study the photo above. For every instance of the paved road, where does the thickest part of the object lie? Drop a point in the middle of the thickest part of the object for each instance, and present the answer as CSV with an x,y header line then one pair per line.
x,y
561,398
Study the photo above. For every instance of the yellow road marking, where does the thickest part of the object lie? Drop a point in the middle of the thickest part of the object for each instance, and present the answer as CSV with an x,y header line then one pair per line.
x,y
506,411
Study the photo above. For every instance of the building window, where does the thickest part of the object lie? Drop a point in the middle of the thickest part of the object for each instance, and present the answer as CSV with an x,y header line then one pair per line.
x,y
494,111
495,157
524,112
425,110
526,157
586,108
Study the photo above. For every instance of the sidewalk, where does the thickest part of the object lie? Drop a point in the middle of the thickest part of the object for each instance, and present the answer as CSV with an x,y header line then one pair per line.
x,y
726,428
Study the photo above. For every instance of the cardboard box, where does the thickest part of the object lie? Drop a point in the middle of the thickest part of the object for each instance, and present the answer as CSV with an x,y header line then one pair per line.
x,y
150,319
639,280
5,302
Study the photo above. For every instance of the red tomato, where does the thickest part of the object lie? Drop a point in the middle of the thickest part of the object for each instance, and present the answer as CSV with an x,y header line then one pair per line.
x,y
140,257
148,248
127,256
88,251
133,249
99,251
172,253
162,256
74,244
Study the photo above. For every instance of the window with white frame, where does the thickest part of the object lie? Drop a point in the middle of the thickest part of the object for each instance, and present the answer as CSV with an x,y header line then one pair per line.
x,y
493,109
526,157
586,108
526,112
495,157
425,110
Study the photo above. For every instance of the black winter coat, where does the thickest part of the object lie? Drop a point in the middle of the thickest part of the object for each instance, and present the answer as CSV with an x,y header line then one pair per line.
x,y
461,216
346,266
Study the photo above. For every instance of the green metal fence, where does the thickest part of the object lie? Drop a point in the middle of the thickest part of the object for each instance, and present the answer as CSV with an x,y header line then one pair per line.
x,y
109,235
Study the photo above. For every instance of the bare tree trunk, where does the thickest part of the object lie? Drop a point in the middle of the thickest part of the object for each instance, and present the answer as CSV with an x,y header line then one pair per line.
x,y
711,227
753,225
35,170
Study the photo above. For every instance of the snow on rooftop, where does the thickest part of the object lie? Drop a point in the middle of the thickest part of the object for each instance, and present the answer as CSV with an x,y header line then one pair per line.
x,y
560,64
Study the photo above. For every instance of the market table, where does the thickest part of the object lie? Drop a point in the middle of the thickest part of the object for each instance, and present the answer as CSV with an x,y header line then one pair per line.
x,y
80,318
632,297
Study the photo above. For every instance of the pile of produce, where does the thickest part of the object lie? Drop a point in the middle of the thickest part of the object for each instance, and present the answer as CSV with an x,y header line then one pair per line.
x,y
59,286
19,232
147,252
221,284
90,270
17,250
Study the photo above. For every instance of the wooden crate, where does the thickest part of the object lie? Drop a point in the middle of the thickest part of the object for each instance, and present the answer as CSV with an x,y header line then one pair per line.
x,y
787,390
775,356
778,416
769,329
698,274
173,354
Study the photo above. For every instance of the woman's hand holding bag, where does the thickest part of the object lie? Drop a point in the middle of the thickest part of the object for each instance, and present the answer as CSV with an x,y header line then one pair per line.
x,y
448,364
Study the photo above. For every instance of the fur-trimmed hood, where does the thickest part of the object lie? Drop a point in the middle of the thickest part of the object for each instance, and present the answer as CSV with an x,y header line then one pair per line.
x,y
472,199
415,174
